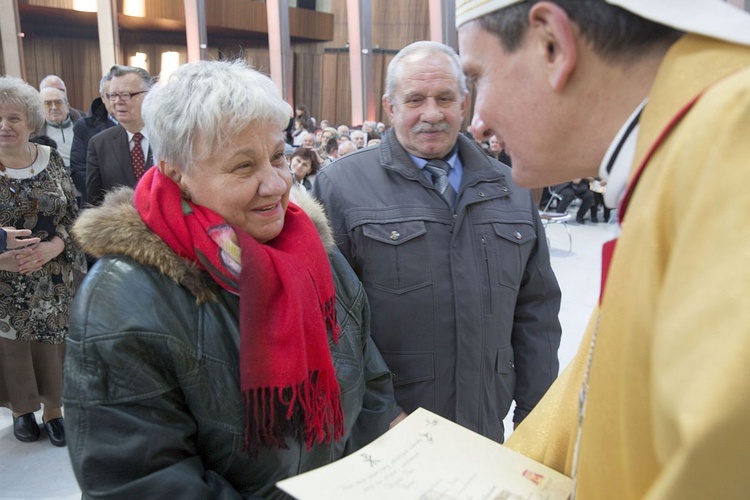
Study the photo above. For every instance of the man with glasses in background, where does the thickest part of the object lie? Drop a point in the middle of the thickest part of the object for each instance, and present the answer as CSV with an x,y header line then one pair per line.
x,y
58,121
120,155
55,82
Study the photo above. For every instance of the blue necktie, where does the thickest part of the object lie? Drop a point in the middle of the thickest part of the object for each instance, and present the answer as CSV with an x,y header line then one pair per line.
x,y
439,170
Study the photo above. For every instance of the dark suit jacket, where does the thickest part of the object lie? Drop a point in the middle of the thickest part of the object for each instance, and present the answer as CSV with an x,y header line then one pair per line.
x,y
108,163
83,130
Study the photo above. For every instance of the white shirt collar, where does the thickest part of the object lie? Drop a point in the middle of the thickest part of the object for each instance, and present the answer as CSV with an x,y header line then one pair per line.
x,y
142,131
619,159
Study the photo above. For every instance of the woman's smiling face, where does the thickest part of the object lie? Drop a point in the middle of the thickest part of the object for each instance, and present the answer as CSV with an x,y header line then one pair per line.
x,y
247,182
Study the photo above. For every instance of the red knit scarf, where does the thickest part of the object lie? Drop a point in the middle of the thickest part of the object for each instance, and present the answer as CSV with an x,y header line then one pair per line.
x,y
287,311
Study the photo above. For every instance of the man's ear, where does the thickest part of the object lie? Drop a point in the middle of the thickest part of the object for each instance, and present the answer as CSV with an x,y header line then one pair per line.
x,y
465,104
554,35
387,107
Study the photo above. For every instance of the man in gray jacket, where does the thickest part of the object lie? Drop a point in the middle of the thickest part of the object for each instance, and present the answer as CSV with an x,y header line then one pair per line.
x,y
456,267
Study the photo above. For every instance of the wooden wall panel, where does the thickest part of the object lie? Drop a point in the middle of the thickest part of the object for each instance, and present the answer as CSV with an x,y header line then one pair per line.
x,y
258,58
310,24
329,88
340,32
343,113
309,83
74,60
322,83
164,9
247,15
225,16
394,26
397,24
381,67
255,52
317,83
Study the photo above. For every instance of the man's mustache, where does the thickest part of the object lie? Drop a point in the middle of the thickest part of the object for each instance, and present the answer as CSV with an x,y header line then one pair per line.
x,y
431,127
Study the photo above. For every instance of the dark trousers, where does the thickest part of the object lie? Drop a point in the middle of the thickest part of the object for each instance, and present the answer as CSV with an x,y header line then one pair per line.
x,y
568,195
599,201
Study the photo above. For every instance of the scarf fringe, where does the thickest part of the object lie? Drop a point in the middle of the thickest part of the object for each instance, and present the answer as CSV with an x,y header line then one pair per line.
x,y
313,406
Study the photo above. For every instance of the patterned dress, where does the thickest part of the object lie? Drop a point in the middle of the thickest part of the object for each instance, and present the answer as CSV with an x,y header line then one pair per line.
x,y
40,198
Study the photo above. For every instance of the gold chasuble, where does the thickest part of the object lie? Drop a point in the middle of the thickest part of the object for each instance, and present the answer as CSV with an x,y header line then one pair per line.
x,y
668,408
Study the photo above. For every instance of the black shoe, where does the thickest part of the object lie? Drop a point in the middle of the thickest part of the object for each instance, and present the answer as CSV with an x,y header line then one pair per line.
x,y
25,428
580,220
594,220
56,431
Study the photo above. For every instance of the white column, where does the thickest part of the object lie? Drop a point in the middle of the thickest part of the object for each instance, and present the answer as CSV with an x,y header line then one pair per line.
x,y
443,22
362,73
279,47
12,39
109,33
195,30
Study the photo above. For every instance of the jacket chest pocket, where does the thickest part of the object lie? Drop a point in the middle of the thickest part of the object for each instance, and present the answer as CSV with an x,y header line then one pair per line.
x,y
397,258
505,250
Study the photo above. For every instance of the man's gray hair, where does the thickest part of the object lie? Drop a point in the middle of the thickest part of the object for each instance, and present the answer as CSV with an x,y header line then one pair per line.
x,y
106,78
395,67
17,94
62,94
51,81
146,80
204,105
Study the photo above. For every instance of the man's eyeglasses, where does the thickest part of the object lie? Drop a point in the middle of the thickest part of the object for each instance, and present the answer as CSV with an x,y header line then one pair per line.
x,y
57,102
125,96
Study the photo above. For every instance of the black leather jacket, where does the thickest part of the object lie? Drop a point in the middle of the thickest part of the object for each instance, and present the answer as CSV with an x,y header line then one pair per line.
x,y
153,405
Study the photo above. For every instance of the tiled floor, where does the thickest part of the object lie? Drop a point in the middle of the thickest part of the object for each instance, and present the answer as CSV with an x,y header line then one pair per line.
x,y
41,471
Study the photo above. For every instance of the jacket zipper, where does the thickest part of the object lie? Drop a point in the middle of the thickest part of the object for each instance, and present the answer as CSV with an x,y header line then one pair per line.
x,y
398,269
488,295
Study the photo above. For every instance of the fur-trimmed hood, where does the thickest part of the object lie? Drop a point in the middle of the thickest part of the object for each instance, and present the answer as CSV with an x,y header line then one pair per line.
x,y
115,228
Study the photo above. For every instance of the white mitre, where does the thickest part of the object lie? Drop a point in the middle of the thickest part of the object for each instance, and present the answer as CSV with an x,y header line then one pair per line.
x,y
711,18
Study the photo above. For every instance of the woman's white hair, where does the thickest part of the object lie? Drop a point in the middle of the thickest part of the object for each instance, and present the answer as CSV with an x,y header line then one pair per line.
x,y
203,106
15,93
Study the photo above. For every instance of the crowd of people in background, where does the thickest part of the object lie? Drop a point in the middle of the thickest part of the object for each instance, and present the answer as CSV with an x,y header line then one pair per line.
x,y
330,143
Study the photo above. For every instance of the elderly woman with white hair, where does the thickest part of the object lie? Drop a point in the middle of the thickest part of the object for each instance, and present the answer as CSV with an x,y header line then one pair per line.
x,y
221,343
36,280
